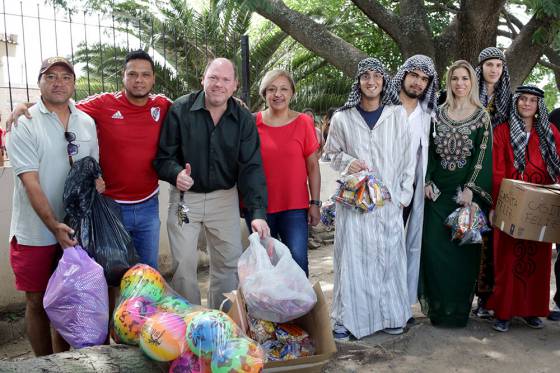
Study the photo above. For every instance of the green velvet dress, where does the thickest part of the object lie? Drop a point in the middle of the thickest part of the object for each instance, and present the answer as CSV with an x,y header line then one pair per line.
x,y
460,156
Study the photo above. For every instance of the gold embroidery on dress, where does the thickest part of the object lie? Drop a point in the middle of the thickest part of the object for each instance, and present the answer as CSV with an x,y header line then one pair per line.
x,y
452,141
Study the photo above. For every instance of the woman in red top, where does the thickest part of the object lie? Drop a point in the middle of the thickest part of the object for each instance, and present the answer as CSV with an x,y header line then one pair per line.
x,y
525,149
291,165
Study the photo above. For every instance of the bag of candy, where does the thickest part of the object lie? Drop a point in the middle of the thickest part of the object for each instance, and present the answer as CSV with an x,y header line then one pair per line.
x,y
362,191
328,213
467,224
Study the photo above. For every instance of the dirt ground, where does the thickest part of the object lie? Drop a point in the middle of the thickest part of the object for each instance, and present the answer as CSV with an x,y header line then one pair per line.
x,y
422,348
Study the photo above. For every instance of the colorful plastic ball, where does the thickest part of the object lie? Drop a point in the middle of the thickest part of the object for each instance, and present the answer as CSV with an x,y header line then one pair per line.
x,y
163,336
129,317
142,280
238,355
190,363
189,316
208,330
175,304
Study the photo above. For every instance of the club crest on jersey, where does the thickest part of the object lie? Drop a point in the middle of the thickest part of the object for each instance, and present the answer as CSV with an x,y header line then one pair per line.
x,y
155,113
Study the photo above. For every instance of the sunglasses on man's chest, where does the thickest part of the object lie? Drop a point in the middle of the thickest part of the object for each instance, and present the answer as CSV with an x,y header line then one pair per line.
x,y
71,148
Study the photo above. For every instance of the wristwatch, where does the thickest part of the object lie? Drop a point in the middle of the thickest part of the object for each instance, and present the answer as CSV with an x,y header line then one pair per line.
x,y
315,202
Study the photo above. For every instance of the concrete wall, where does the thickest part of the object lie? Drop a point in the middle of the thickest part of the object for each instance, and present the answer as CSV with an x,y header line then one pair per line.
x,y
8,294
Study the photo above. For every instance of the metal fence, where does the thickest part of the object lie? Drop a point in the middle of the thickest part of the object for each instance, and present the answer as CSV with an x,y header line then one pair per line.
x,y
96,44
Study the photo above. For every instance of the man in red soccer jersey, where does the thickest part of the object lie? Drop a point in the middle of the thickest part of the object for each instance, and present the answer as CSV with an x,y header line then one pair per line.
x,y
128,125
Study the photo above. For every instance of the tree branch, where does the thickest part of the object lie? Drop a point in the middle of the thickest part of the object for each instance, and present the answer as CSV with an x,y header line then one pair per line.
x,y
312,35
551,66
554,58
444,6
384,18
509,23
516,21
523,53
505,34
410,30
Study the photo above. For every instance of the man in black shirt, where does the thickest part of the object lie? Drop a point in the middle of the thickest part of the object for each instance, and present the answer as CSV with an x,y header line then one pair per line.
x,y
209,147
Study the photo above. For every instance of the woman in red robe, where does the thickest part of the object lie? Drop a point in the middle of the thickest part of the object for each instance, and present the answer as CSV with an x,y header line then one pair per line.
x,y
525,149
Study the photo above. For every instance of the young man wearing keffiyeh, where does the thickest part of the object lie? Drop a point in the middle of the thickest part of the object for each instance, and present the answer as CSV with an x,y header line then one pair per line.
x,y
494,86
495,94
417,84
526,148
370,133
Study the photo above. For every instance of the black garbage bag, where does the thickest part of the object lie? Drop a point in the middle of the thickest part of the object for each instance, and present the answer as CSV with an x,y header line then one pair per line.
x,y
97,221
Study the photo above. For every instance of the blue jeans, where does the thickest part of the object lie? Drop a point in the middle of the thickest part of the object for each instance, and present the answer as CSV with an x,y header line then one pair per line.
x,y
142,222
291,228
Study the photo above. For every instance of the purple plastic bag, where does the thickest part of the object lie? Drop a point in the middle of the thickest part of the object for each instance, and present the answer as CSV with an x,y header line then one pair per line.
x,y
77,301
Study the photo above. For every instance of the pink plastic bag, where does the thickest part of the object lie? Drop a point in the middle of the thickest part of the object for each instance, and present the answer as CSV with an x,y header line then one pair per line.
x,y
77,301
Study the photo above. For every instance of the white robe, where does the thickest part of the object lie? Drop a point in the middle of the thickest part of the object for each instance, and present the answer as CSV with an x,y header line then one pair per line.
x,y
420,138
370,291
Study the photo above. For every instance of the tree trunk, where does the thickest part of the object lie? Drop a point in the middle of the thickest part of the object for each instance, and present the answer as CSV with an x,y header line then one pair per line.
x,y
107,359
477,27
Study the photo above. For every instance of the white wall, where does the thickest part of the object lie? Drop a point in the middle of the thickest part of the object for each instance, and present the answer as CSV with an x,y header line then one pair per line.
x,y
8,293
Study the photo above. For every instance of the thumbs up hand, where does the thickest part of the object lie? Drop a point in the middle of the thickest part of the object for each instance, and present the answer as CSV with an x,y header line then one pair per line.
x,y
184,179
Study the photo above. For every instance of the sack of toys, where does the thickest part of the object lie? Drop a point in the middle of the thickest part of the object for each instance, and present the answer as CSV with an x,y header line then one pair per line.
x,y
168,328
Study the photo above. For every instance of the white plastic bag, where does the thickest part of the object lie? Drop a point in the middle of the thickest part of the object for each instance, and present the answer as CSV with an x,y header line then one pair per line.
x,y
274,286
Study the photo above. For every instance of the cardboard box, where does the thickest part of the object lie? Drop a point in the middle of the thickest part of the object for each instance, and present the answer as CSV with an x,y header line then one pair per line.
x,y
529,211
317,323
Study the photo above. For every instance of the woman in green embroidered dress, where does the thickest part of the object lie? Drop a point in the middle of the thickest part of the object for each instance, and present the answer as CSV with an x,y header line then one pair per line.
x,y
460,157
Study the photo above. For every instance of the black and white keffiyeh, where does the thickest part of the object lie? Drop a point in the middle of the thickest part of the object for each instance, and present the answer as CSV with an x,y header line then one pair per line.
x,y
542,126
388,96
426,65
502,91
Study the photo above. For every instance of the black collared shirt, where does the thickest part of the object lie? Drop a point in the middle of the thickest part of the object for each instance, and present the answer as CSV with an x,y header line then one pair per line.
x,y
220,155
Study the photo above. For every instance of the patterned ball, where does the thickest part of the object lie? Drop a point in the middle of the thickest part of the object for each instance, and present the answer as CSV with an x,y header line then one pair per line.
x,y
174,304
142,280
208,330
189,316
163,336
238,355
129,317
190,363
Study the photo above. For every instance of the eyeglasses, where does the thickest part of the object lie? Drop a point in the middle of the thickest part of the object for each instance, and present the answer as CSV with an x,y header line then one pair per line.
x,y
71,149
